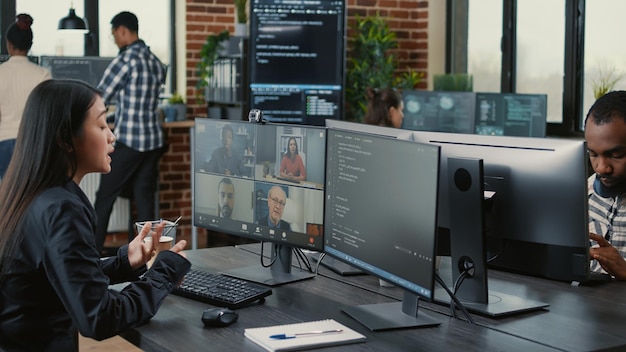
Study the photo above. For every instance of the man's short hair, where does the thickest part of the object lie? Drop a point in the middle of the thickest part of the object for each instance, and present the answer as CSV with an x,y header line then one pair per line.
x,y
126,19
608,106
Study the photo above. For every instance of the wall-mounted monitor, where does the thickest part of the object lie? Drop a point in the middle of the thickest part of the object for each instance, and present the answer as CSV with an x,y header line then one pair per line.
x,y
263,182
439,111
89,69
511,114
297,60
381,217
495,114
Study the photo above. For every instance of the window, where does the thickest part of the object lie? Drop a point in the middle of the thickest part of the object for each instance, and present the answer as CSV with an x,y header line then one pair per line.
x,y
604,53
533,46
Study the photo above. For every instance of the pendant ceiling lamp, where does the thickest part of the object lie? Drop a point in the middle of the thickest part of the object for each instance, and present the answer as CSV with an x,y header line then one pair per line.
x,y
71,21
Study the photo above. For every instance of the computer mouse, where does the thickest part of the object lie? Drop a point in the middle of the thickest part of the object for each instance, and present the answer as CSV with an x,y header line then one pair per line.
x,y
219,317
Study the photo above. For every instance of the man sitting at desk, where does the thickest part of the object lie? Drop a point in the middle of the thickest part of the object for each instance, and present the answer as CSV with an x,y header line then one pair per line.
x,y
224,160
276,201
605,133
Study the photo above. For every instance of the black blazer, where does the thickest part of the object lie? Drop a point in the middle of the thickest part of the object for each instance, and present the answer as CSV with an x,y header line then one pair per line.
x,y
58,285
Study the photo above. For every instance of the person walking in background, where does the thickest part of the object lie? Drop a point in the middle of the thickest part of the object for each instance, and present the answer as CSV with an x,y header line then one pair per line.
x,y
53,283
384,108
18,77
134,79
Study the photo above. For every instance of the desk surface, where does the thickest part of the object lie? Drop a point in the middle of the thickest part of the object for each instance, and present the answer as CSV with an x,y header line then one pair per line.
x,y
579,318
177,325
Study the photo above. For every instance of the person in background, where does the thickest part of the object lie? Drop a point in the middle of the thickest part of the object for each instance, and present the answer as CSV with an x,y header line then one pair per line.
x,y
226,198
291,165
134,78
605,134
276,201
53,283
384,108
18,77
224,160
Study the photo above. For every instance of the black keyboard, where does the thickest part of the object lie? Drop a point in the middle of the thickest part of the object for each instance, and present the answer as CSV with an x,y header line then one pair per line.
x,y
220,290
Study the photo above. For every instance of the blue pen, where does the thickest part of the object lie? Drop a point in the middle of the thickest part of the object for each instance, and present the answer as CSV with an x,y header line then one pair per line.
x,y
315,332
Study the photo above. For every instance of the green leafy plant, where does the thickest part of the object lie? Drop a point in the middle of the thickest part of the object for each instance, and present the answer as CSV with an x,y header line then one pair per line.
x,y
371,65
453,82
176,99
208,54
240,8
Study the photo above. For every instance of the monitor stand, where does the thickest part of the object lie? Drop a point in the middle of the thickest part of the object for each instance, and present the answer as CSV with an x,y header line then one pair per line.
x,y
336,265
393,315
277,274
467,245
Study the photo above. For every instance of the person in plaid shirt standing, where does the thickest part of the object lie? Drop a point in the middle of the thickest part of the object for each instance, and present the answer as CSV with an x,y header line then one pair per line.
x,y
134,79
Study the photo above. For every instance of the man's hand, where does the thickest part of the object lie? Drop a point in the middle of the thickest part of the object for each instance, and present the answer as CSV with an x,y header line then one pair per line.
x,y
608,257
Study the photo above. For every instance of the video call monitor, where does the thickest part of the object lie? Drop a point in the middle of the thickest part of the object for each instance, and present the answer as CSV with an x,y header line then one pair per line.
x,y
381,217
438,111
511,114
89,69
537,217
297,60
246,184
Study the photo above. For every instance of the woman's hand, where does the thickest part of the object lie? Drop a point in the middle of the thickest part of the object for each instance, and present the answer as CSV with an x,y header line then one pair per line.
x,y
139,250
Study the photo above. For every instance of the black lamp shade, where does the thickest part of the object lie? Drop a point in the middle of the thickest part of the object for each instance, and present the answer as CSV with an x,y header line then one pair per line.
x,y
72,21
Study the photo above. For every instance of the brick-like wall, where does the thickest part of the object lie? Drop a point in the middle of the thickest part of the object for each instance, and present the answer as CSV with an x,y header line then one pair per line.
x,y
408,18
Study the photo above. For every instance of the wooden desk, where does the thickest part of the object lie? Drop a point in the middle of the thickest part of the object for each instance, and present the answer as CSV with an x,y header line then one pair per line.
x,y
582,318
177,325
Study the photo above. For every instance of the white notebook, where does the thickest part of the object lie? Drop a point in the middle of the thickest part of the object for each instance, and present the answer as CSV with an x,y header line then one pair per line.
x,y
303,335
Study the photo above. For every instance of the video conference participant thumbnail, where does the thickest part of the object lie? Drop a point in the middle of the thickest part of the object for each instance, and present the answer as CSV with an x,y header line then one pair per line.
x,y
226,150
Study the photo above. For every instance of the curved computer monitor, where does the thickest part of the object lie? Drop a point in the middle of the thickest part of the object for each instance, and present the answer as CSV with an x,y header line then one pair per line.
x,y
536,220
381,217
238,189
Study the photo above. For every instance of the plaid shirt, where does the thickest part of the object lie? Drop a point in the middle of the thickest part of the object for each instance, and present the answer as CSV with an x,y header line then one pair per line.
x,y
607,217
134,77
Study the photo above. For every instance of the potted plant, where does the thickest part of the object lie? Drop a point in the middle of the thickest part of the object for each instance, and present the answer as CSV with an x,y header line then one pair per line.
x,y
241,26
453,82
210,51
176,109
604,81
370,64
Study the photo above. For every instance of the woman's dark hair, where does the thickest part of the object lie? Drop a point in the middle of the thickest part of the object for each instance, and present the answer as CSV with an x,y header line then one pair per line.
x,y
19,33
379,103
287,153
608,106
44,154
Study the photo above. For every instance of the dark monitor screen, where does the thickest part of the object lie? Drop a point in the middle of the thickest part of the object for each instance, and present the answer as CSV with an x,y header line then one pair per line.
x,y
33,59
510,114
297,60
89,69
537,221
438,111
245,185
381,213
